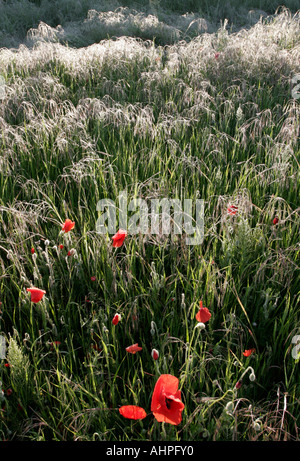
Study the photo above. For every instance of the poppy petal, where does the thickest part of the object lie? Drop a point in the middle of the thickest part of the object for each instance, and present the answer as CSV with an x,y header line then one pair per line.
x,y
203,315
132,412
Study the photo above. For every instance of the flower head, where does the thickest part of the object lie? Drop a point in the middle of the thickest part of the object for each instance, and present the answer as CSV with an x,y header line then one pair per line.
x,y
155,354
166,404
248,352
203,315
275,220
68,225
132,412
116,319
118,238
36,294
32,251
134,348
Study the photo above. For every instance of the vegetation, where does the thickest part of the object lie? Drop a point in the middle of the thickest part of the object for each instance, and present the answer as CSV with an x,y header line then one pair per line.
x,y
163,109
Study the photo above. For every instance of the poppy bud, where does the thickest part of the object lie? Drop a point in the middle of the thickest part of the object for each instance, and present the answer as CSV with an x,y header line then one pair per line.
x,y
116,319
32,251
275,220
229,407
155,354
252,377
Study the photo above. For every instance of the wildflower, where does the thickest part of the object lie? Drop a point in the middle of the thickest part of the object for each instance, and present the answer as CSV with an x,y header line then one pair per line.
x,y
7,365
238,385
47,243
68,225
232,209
32,251
55,343
116,319
118,238
36,294
248,352
200,326
275,220
132,412
9,392
217,55
203,315
61,247
134,348
72,252
166,403
93,278
155,354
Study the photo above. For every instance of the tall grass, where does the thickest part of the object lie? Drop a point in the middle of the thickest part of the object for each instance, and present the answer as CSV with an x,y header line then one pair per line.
x,y
211,117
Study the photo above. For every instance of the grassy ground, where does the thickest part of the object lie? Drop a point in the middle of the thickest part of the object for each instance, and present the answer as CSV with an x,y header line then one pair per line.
x,y
211,117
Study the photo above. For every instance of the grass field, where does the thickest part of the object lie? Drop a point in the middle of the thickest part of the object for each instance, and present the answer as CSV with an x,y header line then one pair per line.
x,y
99,98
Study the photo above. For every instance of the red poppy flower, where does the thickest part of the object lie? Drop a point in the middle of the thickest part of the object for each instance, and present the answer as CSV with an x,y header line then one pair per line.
x,y
7,365
55,343
232,209
61,247
36,294
166,404
132,412
248,352
116,319
217,55
118,238
93,278
203,315
134,348
68,225
32,251
275,220
155,354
